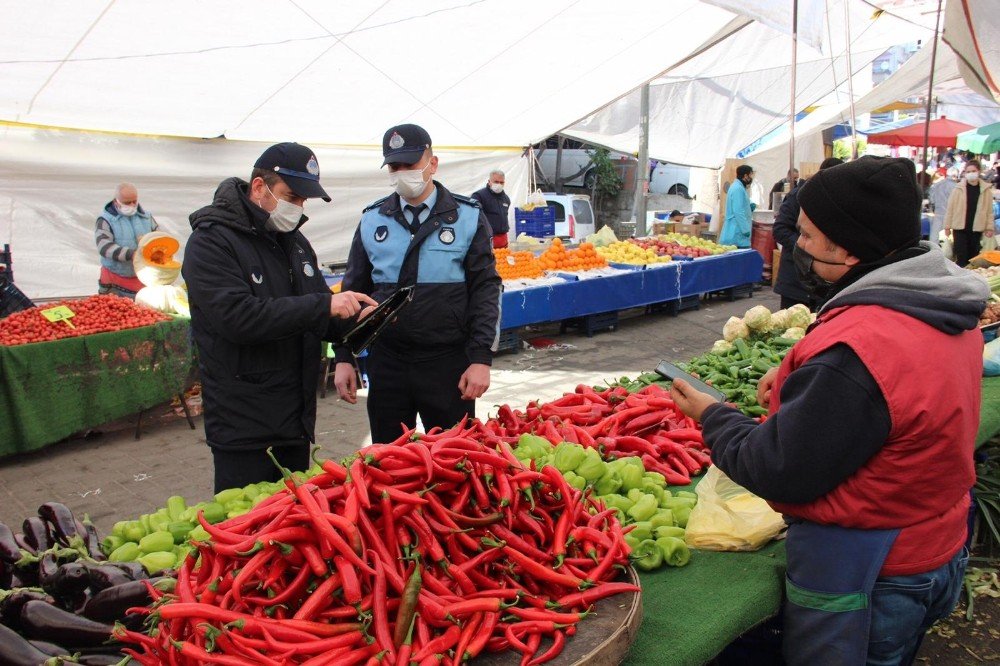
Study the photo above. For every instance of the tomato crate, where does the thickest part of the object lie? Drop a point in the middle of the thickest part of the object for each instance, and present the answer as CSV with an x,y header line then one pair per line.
x,y
510,341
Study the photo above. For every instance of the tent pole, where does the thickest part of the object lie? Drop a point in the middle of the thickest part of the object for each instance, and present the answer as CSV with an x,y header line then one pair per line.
x,y
791,107
850,83
642,166
930,86
559,149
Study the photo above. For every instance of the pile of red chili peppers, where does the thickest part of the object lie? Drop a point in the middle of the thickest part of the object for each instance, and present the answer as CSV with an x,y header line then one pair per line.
x,y
429,550
618,423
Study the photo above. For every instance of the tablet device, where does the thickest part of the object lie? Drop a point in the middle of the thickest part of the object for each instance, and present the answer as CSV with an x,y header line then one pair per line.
x,y
672,372
364,332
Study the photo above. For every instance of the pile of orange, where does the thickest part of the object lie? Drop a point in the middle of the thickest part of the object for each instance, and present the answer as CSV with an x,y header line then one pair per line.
x,y
558,258
514,265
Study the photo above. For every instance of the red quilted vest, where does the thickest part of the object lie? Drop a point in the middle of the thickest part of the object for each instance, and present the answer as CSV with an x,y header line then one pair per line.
x,y
919,481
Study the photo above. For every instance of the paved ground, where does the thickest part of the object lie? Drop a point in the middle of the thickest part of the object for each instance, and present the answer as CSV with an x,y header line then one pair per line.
x,y
113,477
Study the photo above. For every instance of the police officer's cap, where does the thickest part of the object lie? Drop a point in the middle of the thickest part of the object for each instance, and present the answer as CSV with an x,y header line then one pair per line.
x,y
405,144
297,166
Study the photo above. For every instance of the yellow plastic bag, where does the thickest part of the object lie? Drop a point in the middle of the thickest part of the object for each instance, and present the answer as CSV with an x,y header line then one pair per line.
x,y
730,517
603,237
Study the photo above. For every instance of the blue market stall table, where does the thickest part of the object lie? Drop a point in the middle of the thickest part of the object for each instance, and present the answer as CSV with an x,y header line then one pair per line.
x,y
50,390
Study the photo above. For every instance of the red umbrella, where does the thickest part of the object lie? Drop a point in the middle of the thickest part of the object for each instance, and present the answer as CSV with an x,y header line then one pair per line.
x,y
942,134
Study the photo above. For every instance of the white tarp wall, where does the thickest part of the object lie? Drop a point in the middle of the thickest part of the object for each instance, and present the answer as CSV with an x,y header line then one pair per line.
x,y
715,104
53,185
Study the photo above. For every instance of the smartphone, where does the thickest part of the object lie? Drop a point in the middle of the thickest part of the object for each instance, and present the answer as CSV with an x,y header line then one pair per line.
x,y
671,372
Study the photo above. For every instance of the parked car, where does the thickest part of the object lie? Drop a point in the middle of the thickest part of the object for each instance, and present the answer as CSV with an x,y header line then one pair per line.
x,y
669,178
574,215
575,162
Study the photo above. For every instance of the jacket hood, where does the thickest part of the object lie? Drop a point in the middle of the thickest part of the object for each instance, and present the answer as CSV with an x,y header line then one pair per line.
x,y
926,286
230,207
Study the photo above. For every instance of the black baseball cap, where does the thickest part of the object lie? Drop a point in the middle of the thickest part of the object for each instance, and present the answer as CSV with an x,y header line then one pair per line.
x,y
405,144
297,166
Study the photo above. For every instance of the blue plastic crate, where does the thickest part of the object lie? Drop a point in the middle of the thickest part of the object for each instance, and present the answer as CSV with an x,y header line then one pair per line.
x,y
536,229
536,214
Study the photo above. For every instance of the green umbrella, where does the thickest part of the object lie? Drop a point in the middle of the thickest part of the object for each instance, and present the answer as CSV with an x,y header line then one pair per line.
x,y
982,140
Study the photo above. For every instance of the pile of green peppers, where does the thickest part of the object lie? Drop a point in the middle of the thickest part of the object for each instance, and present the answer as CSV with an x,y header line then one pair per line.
x,y
640,499
736,372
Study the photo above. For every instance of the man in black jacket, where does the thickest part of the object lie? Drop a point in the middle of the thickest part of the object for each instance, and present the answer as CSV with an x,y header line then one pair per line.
x,y
434,359
259,311
788,284
495,204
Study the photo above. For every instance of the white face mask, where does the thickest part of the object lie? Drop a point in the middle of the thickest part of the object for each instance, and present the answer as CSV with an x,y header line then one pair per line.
x,y
408,184
972,176
126,210
285,217
496,187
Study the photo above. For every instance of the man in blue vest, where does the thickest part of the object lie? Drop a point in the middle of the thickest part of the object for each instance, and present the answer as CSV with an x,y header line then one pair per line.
x,y
119,227
434,359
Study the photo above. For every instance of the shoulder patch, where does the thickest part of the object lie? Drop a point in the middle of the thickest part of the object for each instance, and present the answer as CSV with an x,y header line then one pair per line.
x,y
376,204
468,201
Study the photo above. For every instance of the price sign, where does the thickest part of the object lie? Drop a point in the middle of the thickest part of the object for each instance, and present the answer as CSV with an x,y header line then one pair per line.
x,y
60,313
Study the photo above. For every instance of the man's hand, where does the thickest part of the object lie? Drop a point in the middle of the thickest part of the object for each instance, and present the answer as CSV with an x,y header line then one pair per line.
x,y
764,387
474,381
346,381
349,303
690,401
947,233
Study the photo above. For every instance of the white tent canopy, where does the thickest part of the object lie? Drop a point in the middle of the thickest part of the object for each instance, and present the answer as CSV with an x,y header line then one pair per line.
x,y
713,105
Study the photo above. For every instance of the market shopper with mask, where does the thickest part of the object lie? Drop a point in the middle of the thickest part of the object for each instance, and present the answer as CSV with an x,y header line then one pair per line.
x,y
738,223
119,227
434,359
970,214
259,311
496,206
873,418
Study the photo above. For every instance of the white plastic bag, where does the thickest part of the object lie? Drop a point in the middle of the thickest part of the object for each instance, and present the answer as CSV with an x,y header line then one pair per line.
x,y
534,199
730,517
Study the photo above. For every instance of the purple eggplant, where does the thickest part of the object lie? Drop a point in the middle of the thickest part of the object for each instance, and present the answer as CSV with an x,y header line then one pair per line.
x,y
23,544
61,522
9,550
13,602
50,649
99,659
68,582
103,576
17,651
133,570
36,534
91,539
110,604
42,620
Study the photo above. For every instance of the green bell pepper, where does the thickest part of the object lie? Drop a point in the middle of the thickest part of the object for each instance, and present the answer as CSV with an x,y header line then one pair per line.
x,y
674,502
592,467
224,497
644,508
127,552
607,484
655,477
176,506
662,518
652,488
134,531
214,512
159,521
119,528
648,556
111,543
631,477
687,493
180,530
199,534
667,531
635,494
158,561
157,542
642,530
568,456
619,502
681,515
575,480
674,551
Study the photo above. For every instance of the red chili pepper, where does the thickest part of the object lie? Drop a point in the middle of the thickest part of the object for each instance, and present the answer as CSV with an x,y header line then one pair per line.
x,y
442,643
319,598
540,571
589,597
380,612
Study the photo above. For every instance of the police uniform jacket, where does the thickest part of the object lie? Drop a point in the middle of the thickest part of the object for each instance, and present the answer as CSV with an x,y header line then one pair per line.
x,y
450,262
259,311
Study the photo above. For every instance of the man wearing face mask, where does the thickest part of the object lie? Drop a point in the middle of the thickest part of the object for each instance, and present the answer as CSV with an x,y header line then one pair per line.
x,y
495,204
434,359
259,311
738,223
120,226
881,395
969,214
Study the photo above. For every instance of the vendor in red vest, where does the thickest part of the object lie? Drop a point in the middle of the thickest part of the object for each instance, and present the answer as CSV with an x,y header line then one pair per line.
x,y
873,417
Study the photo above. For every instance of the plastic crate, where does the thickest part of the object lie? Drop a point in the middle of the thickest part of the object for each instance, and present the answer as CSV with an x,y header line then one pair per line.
x,y
538,222
12,299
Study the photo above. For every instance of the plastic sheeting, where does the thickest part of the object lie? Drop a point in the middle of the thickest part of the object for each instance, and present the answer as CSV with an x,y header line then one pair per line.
x,y
53,185
716,103
972,29
473,72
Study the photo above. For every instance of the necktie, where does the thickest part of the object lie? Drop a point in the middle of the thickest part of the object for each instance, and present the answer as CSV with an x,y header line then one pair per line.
x,y
415,217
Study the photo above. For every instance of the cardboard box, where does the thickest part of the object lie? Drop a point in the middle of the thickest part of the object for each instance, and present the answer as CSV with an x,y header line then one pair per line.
x,y
691,229
660,228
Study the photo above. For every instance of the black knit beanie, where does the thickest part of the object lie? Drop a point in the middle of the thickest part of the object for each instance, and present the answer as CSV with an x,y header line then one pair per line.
x,y
870,207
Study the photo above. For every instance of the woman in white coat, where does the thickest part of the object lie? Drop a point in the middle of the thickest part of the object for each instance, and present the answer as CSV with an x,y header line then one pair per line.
x,y
970,214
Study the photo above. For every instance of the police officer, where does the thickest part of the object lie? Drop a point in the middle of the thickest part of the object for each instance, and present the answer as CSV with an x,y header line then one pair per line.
x,y
495,204
259,310
434,359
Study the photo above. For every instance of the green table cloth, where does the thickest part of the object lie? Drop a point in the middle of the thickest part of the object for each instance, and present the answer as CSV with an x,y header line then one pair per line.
x,y
50,390
989,414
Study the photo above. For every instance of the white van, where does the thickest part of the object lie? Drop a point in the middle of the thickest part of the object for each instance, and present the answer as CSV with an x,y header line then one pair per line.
x,y
670,178
574,215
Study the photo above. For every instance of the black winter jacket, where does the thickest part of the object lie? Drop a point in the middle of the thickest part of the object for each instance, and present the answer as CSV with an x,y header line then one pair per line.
x,y
786,232
496,207
259,311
